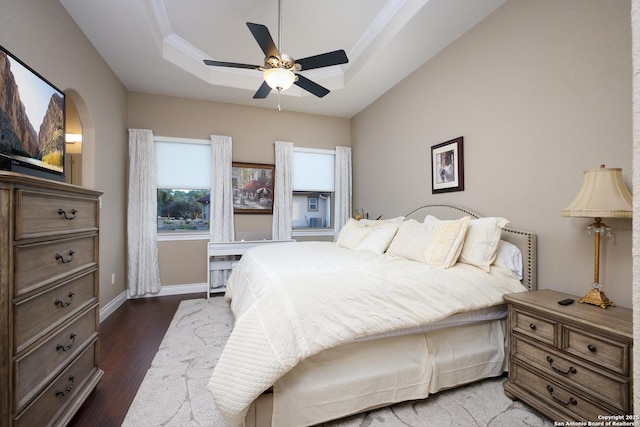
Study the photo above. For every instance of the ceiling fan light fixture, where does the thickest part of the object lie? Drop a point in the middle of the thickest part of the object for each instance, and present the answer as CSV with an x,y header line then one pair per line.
x,y
279,78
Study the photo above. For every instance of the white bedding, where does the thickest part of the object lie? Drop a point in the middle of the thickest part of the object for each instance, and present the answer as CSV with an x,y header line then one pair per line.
x,y
359,376
323,296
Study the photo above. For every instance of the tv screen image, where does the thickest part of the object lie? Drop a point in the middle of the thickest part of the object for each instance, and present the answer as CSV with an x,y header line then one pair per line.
x,y
32,121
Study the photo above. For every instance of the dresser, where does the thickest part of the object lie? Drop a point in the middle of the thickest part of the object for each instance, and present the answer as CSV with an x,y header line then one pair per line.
x,y
570,362
48,299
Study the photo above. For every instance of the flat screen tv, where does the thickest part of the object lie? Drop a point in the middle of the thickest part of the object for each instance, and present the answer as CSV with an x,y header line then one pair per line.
x,y
32,121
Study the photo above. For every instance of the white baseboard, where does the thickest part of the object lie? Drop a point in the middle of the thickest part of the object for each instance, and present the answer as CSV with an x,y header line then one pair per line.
x,y
193,288
109,308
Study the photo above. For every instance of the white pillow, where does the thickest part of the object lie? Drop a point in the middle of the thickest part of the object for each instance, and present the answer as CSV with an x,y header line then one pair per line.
x,y
382,222
509,255
436,243
378,240
482,240
352,233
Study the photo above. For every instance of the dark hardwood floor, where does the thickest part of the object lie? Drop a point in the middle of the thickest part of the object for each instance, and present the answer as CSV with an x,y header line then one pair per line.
x,y
129,339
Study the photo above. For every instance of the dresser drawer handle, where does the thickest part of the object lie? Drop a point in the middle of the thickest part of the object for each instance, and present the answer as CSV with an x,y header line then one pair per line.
x,y
59,392
68,260
68,346
571,369
65,304
69,218
532,326
571,401
592,348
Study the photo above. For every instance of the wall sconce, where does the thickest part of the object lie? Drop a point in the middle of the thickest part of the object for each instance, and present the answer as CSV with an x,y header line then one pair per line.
x,y
602,195
72,138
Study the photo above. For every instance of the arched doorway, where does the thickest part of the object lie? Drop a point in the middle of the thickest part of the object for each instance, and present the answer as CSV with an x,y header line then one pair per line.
x,y
80,141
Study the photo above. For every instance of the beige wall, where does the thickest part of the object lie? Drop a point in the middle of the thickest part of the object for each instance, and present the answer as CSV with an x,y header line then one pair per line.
x,y
253,131
42,34
540,90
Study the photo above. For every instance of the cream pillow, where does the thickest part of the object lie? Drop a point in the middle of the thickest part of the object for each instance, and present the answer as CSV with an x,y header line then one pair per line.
x,y
446,242
482,240
437,243
410,241
378,240
382,222
352,234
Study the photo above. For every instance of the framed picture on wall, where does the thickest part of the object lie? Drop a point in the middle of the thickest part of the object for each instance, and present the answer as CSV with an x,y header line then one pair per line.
x,y
252,188
447,166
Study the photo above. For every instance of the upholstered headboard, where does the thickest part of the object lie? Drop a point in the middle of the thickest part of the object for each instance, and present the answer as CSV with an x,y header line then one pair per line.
x,y
524,240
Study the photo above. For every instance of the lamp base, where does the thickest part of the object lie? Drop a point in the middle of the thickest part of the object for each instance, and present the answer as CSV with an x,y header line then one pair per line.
x,y
596,297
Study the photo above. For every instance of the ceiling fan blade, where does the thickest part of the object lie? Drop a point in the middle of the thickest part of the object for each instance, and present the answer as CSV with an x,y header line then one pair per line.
x,y
230,64
323,60
311,86
264,39
263,91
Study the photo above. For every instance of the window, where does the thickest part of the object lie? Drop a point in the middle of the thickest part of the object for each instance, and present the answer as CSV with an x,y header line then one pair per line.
x,y
313,187
183,168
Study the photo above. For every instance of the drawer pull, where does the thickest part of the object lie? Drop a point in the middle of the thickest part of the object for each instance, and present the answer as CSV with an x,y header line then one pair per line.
x,y
69,218
592,348
571,369
68,346
59,392
65,304
68,260
571,400
532,326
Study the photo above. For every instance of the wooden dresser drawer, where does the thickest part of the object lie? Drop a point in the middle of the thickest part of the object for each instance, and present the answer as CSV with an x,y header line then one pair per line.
x,y
605,352
609,389
40,214
536,327
55,260
35,316
56,399
556,396
36,368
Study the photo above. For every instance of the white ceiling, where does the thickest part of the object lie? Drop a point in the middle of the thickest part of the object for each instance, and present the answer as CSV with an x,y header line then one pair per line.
x,y
157,46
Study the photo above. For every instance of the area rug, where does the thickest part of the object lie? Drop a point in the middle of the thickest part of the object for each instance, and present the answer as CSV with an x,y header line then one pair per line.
x,y
174,390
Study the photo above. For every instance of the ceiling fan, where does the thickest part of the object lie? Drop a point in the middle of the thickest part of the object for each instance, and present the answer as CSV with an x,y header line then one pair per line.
x,y
280,70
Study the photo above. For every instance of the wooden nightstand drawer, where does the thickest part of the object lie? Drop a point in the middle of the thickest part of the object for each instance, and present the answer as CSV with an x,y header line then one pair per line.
x,y
35,316
40,214
39,366
610,389
556,396
56,259
535,327
605,352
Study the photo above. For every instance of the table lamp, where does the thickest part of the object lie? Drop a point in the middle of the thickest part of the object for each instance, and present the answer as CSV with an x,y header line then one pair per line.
x,y
602,195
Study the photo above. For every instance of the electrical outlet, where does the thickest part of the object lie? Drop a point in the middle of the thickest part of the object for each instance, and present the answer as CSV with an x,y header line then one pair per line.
x,y
113,278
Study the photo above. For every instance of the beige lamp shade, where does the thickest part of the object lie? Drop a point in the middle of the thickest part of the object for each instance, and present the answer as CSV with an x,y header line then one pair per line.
x,y
602,195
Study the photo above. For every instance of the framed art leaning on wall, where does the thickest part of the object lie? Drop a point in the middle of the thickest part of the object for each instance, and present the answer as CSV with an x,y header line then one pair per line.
x,y
447,167
252,188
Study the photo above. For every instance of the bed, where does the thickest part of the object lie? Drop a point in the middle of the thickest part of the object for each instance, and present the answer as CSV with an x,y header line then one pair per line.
x,y
324,330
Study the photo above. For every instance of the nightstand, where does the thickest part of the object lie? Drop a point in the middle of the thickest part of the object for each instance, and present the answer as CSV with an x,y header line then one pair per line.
x,y
570,362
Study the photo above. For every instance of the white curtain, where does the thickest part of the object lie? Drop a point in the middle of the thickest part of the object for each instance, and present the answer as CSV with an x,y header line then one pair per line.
x,y
143,273
283,193
221,225
343,187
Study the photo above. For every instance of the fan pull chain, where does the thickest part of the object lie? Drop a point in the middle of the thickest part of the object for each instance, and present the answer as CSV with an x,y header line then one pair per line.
x,y
279,109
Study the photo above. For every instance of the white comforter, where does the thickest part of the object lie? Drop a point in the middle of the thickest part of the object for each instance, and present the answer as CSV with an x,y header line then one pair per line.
x,y
292,300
